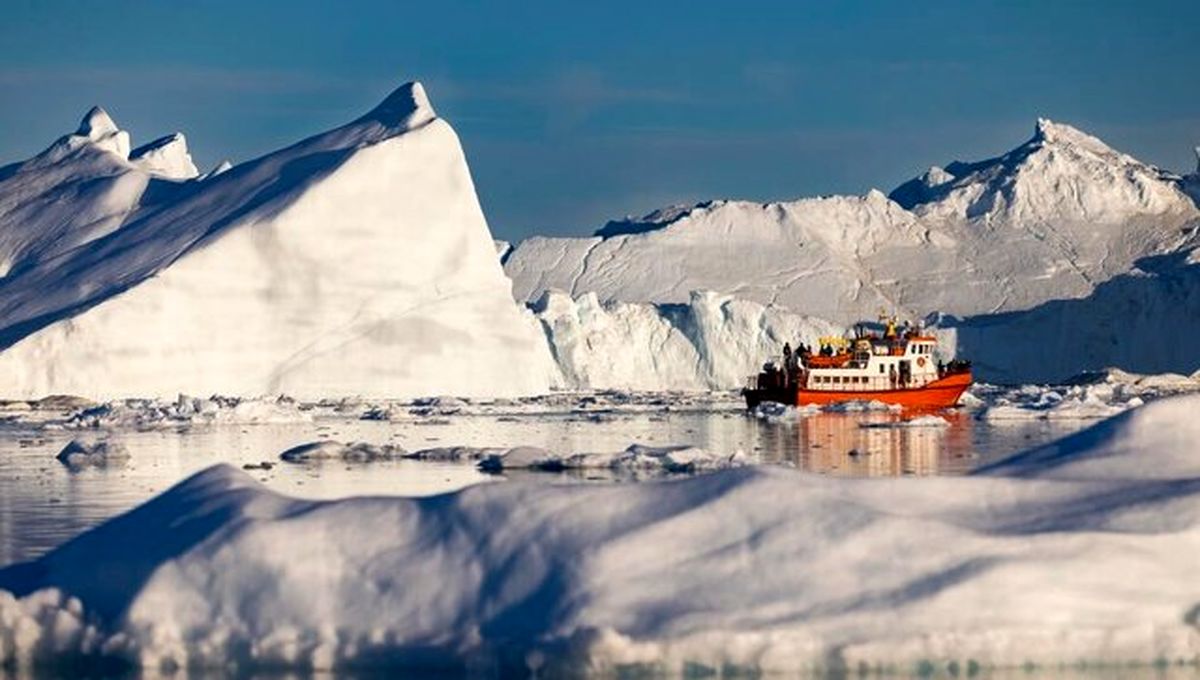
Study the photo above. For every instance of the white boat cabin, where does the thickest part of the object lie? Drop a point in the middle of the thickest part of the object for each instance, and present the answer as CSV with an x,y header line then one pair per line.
x,y
870,364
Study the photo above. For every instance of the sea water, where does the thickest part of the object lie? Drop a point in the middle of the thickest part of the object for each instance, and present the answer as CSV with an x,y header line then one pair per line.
x,y
44,503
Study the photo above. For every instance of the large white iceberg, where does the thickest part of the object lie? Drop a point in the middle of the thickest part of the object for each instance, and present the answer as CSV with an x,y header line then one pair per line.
x,y
1062,217
1081,552
1050,219
357,261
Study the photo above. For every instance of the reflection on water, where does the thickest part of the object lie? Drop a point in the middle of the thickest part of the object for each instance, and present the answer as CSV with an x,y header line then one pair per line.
x,y
43,504
881,444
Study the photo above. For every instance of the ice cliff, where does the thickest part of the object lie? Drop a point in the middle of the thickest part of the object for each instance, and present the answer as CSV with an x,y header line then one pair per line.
x,y
357,261
711,342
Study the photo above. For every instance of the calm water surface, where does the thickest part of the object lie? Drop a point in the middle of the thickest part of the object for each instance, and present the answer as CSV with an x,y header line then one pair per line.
x,y
43,503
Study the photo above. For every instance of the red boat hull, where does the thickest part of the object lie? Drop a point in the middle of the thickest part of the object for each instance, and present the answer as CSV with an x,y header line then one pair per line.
x,y
941,393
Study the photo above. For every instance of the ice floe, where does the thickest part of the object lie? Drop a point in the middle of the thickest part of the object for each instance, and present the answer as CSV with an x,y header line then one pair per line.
x,y
185,410
79,454
329,449
669,459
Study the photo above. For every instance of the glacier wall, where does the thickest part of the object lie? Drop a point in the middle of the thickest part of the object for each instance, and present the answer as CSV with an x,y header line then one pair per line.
x,y
713,342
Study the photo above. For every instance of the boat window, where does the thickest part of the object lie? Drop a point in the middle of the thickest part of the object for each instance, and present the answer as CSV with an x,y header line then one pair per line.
x,y
881,368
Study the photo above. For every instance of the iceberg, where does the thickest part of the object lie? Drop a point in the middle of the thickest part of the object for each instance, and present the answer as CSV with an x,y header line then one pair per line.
x,y
1000,248
355,262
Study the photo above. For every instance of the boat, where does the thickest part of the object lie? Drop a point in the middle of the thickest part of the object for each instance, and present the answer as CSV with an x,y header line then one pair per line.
x,y
897,366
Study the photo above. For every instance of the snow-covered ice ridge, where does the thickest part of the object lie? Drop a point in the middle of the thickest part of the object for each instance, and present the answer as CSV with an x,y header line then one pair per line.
x,y
357,261
1061,217
1050,219
1079,552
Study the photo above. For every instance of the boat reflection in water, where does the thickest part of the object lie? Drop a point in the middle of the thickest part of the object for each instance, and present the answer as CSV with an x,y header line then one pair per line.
x,y
873,444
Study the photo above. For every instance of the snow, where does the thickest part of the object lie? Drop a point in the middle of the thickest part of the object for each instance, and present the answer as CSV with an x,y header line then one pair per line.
x,y
355,262
1082,552
711,343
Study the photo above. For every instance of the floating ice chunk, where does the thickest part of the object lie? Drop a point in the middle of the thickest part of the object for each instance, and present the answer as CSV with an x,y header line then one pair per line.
x,y
104,453
461,453
328,449
279,411
774,412
860,406
970,401
668,459
1075,402
185,410
927,420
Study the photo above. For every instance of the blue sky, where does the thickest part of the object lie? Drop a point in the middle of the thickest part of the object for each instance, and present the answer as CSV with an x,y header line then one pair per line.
x,y
572,113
